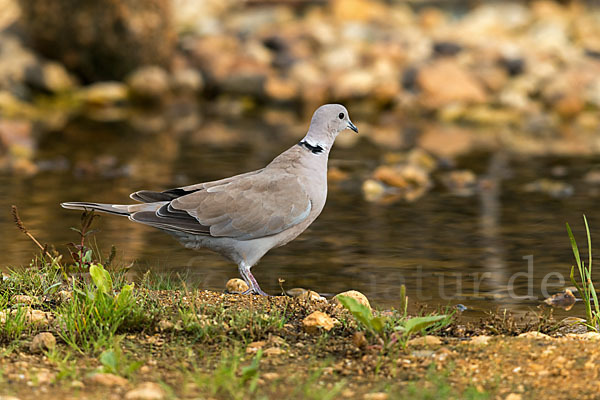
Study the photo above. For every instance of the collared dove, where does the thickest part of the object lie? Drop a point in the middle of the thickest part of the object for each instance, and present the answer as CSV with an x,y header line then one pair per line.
x,y
245,216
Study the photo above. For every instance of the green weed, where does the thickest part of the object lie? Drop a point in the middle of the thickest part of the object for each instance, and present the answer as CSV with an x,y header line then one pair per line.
x,y
404,326
586,286
114,361
96,313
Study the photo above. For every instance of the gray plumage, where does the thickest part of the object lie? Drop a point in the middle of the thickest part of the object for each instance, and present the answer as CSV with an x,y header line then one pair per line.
x,y
245,216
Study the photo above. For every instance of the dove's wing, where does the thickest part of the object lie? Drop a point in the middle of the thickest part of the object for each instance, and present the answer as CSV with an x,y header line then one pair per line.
x,y
248,207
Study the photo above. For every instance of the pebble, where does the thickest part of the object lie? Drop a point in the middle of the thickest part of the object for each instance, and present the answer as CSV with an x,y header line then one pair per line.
x,y
376,396
318,320
354,294
187,80
273,351
427,340
106,379
310,295
36,317
513,396
444,82
146,391
271,376
373,190
105,94
534,335
149,84
480,340
255,346
165,325
359,340
564,299
42,341
236,285
23,299
552,188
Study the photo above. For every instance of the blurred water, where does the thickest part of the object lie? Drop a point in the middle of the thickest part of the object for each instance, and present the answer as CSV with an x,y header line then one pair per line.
x,y
446,249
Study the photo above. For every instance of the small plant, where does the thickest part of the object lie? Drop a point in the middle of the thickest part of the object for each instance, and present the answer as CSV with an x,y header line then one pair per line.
x,y
229,379
81,255
377,324
115,362
586,285
363,315
96,313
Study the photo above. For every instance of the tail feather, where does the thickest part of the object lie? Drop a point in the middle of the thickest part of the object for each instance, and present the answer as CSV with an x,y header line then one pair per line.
x,y
117,209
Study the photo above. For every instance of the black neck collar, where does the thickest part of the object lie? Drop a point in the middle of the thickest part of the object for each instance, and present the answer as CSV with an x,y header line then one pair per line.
x,y
313,149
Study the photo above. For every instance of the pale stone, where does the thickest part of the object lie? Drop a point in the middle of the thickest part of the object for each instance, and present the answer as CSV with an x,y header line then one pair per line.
x,y
427,340
480,340
146,391
376,396
318,320
236,285
42,341
534,335
106,379
354,294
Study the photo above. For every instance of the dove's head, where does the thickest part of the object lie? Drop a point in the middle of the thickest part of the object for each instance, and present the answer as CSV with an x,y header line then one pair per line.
x,y
326,123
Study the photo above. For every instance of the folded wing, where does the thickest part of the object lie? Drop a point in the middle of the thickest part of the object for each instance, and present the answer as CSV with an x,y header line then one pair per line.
x,y
248,207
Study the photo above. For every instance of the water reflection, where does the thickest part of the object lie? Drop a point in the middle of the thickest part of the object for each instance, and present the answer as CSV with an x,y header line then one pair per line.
x,y
445,248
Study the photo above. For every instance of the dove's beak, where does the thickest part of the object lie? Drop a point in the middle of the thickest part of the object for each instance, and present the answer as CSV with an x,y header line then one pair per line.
x,y
352,126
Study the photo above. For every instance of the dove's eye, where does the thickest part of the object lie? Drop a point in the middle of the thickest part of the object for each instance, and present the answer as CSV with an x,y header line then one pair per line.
x,y
341,115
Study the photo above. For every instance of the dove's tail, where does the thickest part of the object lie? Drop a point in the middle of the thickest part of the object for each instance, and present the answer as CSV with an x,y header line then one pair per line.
x,y
118,209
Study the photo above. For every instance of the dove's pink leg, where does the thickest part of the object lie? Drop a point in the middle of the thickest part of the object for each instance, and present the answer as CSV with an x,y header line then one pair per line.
x,y
250,280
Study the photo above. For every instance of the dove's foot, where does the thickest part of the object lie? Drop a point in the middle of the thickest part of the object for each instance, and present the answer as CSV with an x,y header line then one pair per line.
x,y
251,281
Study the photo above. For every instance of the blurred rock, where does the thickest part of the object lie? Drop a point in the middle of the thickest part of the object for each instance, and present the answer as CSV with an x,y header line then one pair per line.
x,y
42,341
236,285
310,295
15,60
50,77
550,187
146,391
23,299
444,81
359,340
188,81
318,321
149,84
281,89
461,183
411,181
427,340
564,300
105,94
592,177
101,39
105,379
373,190
354,294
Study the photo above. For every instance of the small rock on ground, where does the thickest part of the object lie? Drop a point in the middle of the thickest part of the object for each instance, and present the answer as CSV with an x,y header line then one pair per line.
x,y
317,320
146,391
376,396
534,335
427,340
236,285
356,295
481,339
42,341
108,380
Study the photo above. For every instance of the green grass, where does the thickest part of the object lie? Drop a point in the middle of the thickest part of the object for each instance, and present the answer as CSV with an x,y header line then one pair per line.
x,y
215,323
97,313
436,385
585,286
396,328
